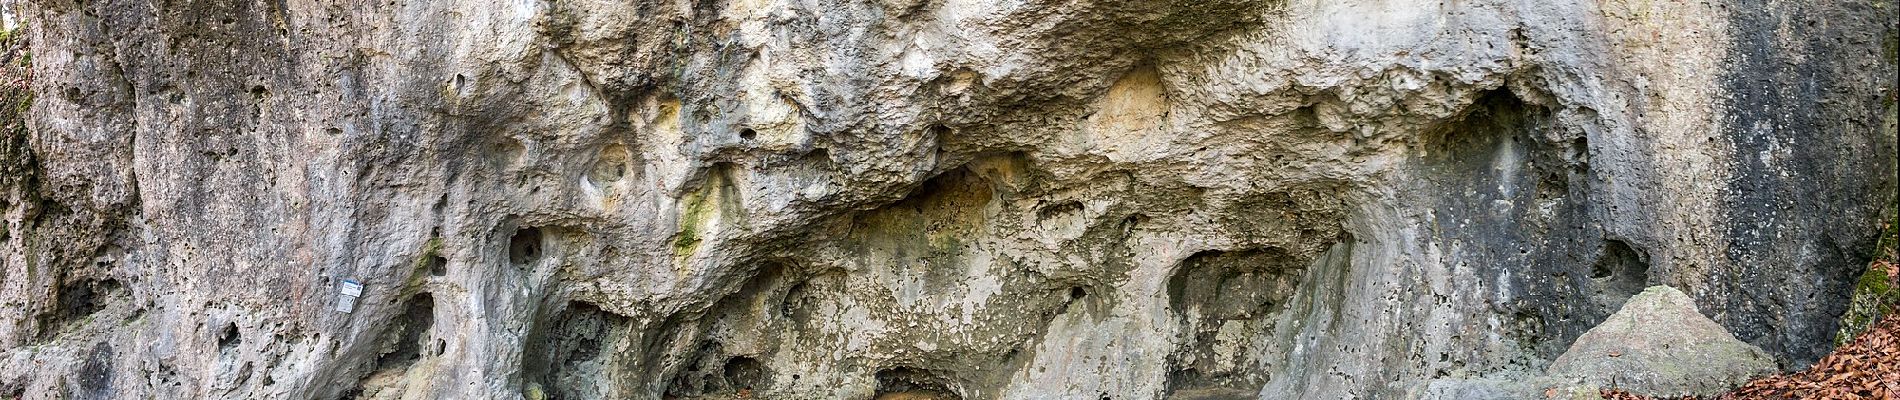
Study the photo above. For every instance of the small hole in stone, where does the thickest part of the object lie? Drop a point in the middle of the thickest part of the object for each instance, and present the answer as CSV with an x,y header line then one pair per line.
x,y
1077,293
1132,221
229,338
818,155
911,383
611,166
438,266
748,134
524,246
745,373
441,346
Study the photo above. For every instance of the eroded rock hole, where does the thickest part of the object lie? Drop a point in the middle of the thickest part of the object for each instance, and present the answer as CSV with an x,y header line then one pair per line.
x,y
1058,210
1231,285
939,132
748,134
746,373
506,152
1217,291
710,370
404,342
229,339
1131,222
75,301
705,374
573,351
1619,272
818,155
905,383
438,266
610,167
399,346
525,246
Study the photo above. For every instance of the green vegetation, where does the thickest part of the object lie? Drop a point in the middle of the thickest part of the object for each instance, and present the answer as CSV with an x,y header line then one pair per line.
x,y
692,216
16,159
1877,293
15,76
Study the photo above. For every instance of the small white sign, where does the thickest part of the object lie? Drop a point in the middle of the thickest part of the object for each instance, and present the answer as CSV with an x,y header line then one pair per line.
x,y
350,288
347,292
345,304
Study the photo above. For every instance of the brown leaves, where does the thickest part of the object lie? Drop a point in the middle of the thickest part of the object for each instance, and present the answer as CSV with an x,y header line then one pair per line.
x,y
1868,368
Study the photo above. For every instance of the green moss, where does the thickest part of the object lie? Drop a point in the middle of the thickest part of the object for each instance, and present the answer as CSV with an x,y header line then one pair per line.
x,y
1876,295
717,199
430,250
10,38
696,215
419,271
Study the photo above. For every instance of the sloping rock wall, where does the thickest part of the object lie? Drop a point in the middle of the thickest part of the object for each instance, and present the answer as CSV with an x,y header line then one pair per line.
x,y
970,198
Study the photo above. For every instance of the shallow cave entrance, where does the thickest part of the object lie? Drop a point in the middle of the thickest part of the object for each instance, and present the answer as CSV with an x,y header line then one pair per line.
x,y
906,383
571,355
525,246
1217,290
1619,272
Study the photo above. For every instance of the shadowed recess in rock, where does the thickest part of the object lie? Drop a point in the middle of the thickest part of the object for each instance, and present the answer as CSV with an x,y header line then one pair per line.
x,y
1521,183
525,246
576,353
905,383
1619,272
1224,299
730,334
399,347
77,301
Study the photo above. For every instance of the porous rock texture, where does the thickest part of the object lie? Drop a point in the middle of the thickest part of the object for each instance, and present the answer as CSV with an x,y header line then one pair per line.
x,y
976,199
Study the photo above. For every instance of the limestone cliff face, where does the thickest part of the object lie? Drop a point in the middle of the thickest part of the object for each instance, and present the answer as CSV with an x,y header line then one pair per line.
x,y
984,199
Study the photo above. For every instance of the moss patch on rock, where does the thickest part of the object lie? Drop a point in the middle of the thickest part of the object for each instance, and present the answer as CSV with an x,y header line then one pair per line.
x,y
1877,292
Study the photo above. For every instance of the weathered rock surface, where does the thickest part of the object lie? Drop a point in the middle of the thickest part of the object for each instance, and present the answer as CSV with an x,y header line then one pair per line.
x,y
1659,345
982,199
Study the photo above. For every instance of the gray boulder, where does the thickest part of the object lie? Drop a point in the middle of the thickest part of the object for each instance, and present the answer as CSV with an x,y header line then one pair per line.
x,y
1659,345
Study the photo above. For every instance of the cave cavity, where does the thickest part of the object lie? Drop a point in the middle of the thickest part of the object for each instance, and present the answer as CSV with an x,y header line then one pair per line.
x,y
1224,300
721,351
610,166
1231,285
406,336
76,299
906,383
575,353
399,347
526,246
1620,271
710,372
